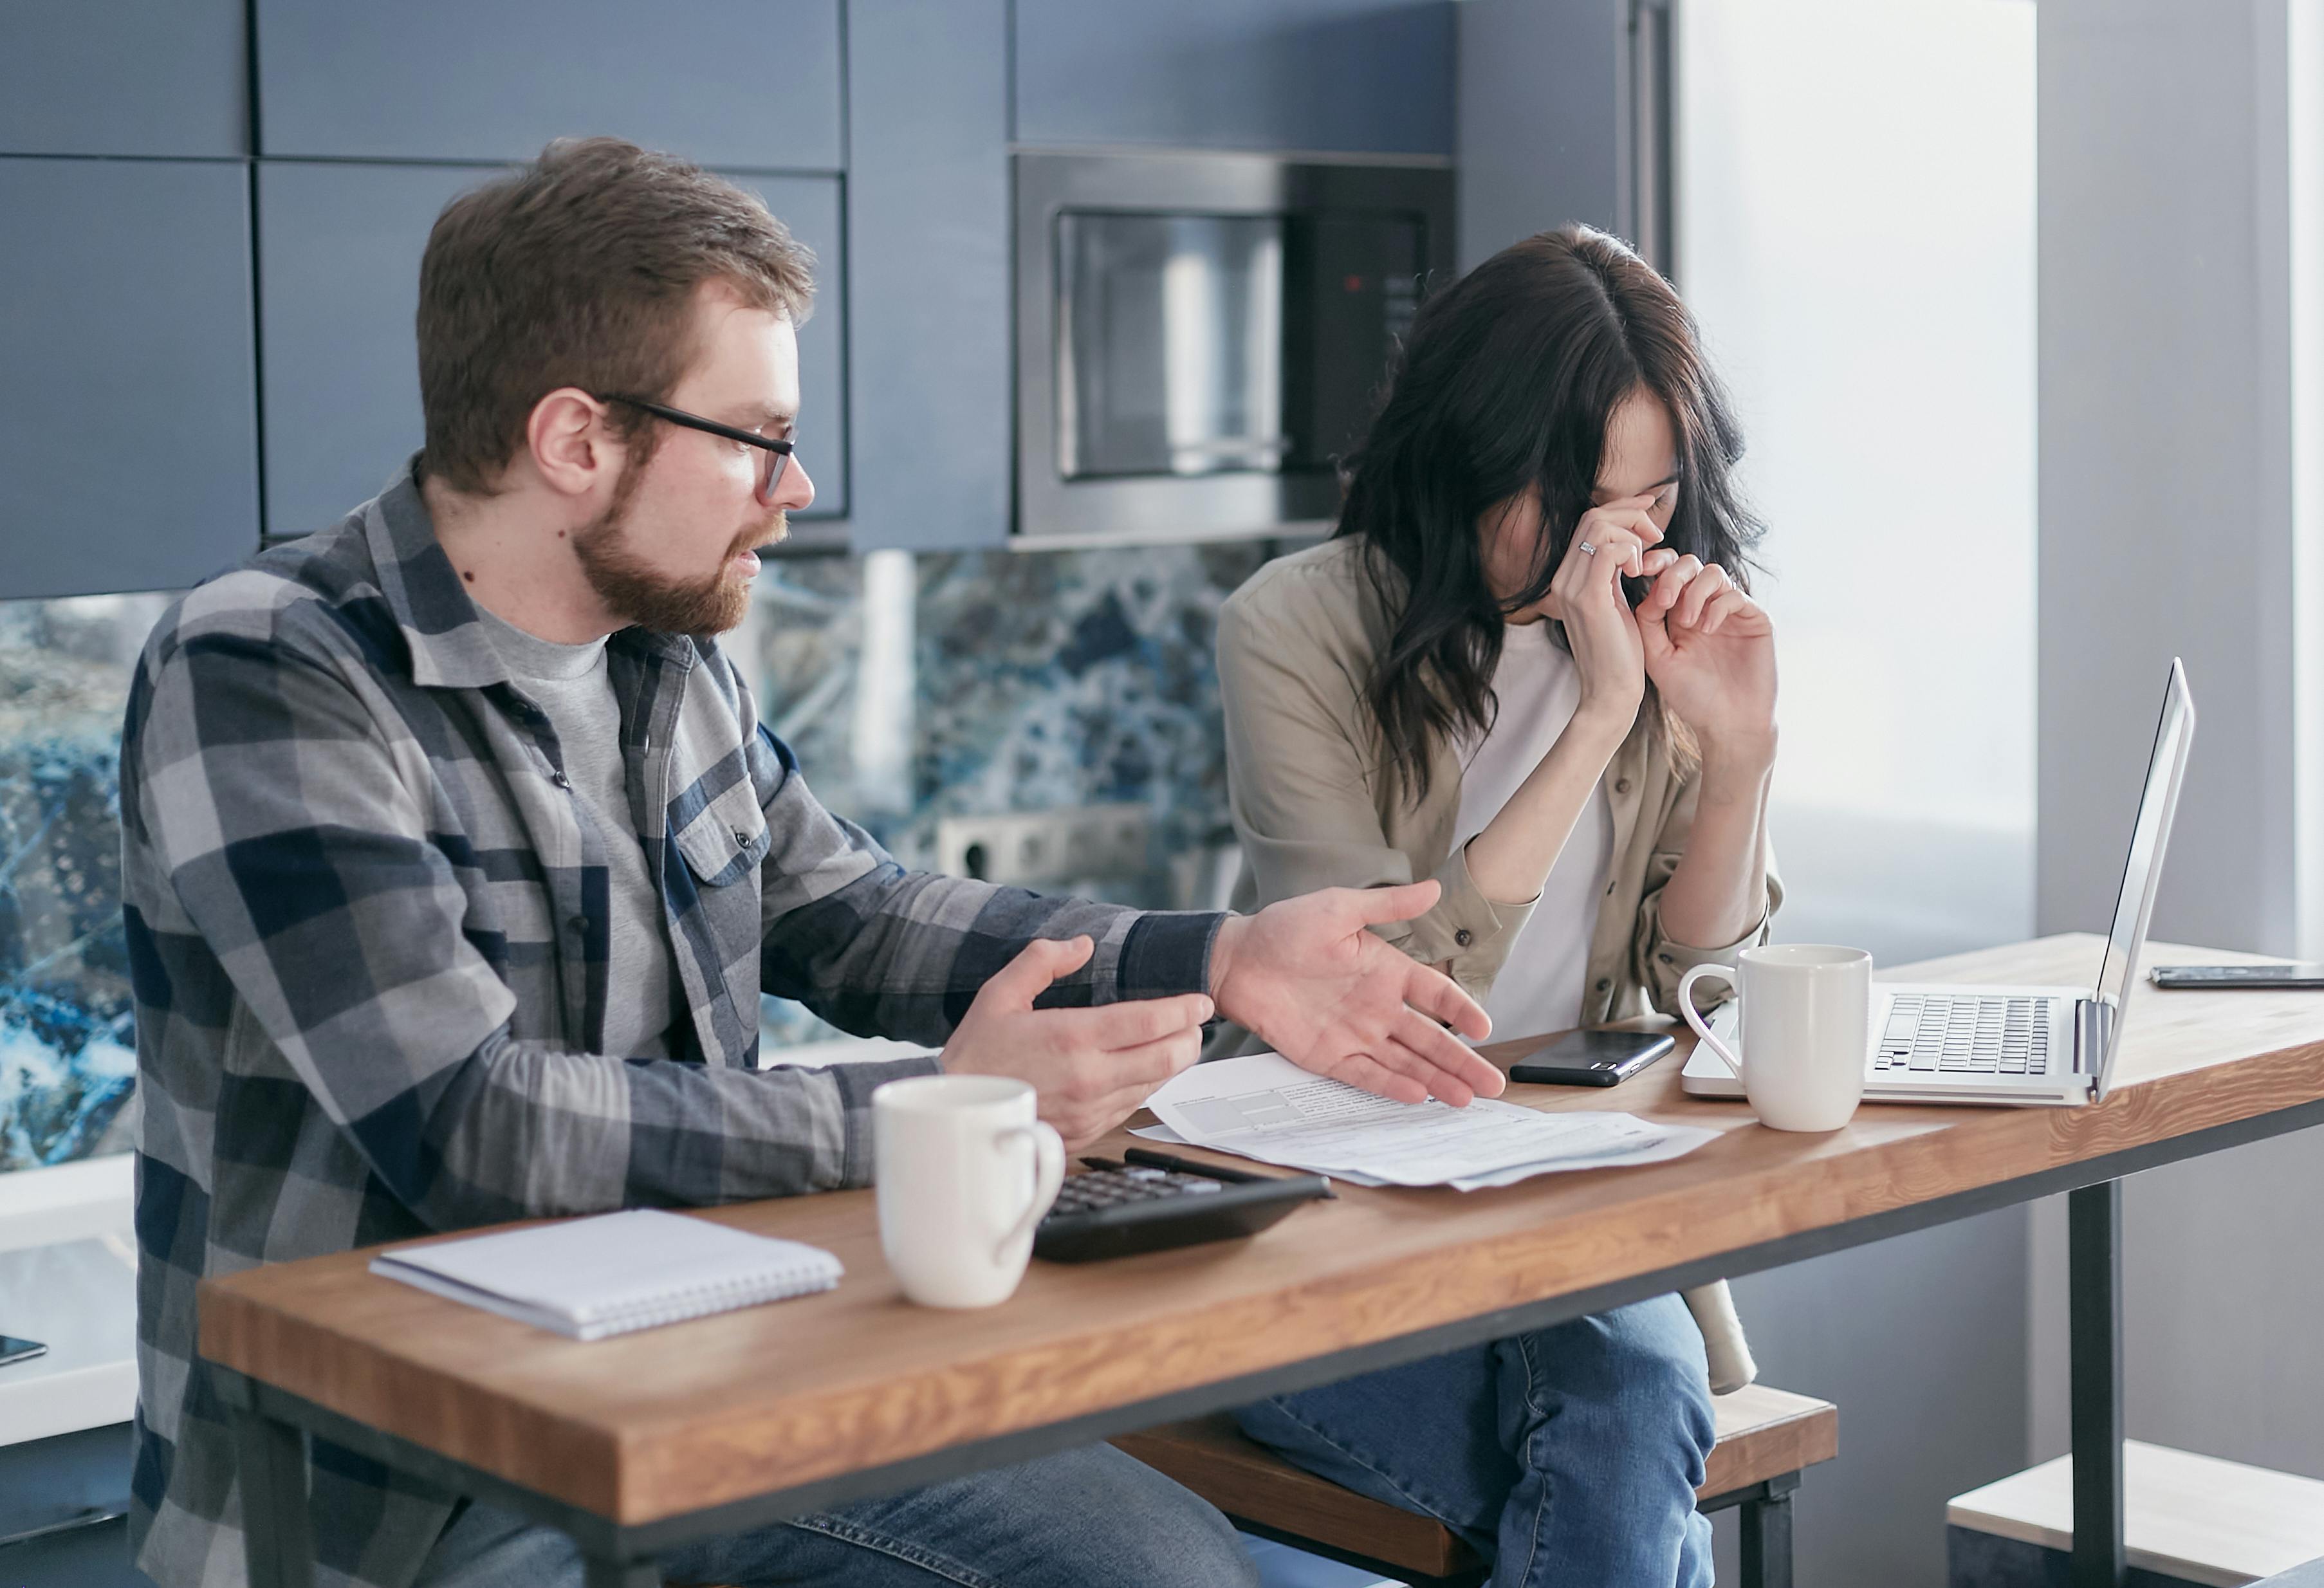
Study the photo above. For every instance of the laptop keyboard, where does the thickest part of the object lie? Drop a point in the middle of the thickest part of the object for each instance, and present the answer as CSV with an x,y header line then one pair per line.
x,y
1979,1035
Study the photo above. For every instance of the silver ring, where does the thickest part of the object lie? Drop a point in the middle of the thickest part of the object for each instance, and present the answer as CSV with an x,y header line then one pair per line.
x,y
1587,546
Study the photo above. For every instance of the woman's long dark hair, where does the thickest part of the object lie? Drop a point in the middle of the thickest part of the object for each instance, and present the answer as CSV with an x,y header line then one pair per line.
x,y
1508,379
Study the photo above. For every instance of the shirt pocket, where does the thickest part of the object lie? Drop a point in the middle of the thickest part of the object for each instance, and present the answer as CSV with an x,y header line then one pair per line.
x,y
728,839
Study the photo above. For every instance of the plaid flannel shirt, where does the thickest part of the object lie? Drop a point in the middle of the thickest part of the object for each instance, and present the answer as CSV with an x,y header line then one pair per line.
x,y
367,935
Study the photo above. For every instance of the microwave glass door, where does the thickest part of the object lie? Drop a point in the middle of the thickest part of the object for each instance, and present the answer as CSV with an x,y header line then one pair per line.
x,y
1170,344
1193,344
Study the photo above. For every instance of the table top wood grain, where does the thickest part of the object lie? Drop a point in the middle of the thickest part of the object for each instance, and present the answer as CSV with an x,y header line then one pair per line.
x,y
658,1424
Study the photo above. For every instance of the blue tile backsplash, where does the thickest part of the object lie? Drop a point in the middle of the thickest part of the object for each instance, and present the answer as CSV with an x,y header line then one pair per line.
x,y
911,687
1035,681
1038,681
68,1056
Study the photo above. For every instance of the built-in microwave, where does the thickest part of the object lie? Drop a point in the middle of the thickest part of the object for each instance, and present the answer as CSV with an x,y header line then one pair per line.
x,y
1199,335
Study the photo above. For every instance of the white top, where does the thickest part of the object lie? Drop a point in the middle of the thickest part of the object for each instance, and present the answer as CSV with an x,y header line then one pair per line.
x,y
572,684
1539,989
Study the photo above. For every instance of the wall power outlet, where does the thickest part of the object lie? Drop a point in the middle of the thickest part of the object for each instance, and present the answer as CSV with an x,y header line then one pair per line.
x,y
1041,848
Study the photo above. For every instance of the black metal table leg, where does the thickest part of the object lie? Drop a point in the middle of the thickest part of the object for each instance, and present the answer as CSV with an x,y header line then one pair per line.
x,y
2094,1318
272,1460
1766,1556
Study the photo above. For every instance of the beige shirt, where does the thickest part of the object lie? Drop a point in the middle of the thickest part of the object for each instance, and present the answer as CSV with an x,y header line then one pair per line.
x,y
1314,805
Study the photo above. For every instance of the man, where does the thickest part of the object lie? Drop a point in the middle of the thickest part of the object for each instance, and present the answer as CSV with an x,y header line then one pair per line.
x,y
456,860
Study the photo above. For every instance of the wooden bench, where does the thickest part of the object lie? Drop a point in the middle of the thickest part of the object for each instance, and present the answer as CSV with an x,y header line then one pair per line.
x,y
1765,1437
2188,1518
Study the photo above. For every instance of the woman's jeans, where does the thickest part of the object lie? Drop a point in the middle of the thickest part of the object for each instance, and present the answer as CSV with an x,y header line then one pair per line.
x,y
1569,1456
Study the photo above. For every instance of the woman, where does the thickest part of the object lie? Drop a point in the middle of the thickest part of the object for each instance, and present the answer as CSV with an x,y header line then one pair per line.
x,y
1527,665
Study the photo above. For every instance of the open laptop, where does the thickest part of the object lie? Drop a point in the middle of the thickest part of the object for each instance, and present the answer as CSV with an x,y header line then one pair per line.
x,y
2028,1045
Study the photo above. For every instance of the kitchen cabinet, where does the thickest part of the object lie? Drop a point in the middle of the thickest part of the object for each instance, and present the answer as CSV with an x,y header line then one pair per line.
x,y
128,454
1564,117
928,221
745,84
1356,76
69,1492
123,77
339,249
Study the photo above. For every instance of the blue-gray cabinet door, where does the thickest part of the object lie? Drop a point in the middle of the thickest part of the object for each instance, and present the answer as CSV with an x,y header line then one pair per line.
x,y
128,443
749,84
928,218
339,251
1359,76
123,77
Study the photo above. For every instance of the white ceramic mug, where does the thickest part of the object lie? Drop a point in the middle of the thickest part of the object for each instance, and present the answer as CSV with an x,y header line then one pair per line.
x,y
1805,1019
964,1172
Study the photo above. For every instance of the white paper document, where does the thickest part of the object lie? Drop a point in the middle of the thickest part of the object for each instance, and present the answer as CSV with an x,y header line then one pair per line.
x,y
1264,1107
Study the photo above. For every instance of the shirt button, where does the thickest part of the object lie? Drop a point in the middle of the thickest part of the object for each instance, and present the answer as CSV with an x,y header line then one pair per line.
x,y
561,779
1621,785
1604,983
1610,888
1464,937
580,924
741,839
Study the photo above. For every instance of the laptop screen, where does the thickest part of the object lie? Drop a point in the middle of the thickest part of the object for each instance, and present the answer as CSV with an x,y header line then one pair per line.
x,y
2148,836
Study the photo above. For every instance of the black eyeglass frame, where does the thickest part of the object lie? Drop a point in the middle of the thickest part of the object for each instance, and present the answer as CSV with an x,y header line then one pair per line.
x,y
781,448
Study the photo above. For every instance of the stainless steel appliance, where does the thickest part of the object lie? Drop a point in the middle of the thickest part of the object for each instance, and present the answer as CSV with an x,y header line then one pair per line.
x,y
1200,335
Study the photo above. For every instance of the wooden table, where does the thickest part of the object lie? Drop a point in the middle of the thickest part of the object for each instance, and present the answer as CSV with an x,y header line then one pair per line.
x,y
641,1443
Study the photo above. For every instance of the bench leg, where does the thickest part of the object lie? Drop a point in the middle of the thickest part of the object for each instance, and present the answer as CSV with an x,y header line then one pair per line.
x,y
1768,1535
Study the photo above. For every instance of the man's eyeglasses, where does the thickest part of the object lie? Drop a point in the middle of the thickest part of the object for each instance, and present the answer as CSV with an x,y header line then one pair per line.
x,y
778,453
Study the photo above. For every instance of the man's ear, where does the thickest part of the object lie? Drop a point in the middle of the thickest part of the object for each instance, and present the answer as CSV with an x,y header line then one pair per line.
x,y
566,438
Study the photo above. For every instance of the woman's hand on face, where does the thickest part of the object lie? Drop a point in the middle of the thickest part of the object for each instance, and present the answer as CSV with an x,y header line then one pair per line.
x,y
1586,595
1711,651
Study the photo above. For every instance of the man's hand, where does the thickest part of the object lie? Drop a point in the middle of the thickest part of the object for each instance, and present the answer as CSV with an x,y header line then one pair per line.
x,y
1091,1068
1335,999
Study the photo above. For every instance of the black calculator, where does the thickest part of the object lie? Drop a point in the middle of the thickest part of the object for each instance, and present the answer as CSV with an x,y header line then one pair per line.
x,y
1156,1202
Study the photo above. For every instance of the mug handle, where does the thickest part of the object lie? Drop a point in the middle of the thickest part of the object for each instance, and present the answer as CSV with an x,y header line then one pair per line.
x,y
1049,1175
1728,973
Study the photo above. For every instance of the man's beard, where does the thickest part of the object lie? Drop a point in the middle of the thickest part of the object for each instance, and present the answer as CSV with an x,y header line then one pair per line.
x,y
633,590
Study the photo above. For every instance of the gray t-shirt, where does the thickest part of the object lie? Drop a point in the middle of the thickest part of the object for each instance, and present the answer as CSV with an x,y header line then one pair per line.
x,y
569,682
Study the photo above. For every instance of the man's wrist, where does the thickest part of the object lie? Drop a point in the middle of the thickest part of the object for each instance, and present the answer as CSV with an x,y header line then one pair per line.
x,y
1224,947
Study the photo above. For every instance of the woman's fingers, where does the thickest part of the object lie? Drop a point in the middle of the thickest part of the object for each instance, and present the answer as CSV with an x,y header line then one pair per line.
x,y
1612,549
1726,604
1628,525
1672,583
1598,544
1698,592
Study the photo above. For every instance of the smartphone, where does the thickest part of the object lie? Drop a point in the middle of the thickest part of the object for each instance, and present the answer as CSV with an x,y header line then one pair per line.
x,y
2308,977
14,1350
1591,1059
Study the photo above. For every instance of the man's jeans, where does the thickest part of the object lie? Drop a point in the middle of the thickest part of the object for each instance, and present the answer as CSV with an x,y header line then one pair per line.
x,y
1566,1456
1085,1519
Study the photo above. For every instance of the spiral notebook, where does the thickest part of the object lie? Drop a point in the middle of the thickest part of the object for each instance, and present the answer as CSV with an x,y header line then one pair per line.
x,y
618,1271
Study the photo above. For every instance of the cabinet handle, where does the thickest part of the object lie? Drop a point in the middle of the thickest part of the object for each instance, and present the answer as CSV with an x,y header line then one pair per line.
x,y
93,1517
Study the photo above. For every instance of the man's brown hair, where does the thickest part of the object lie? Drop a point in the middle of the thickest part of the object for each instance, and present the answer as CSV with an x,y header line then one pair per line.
x,y
580,270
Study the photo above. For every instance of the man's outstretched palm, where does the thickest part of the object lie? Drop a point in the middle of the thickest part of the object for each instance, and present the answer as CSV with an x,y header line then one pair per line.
x,y
1336,999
